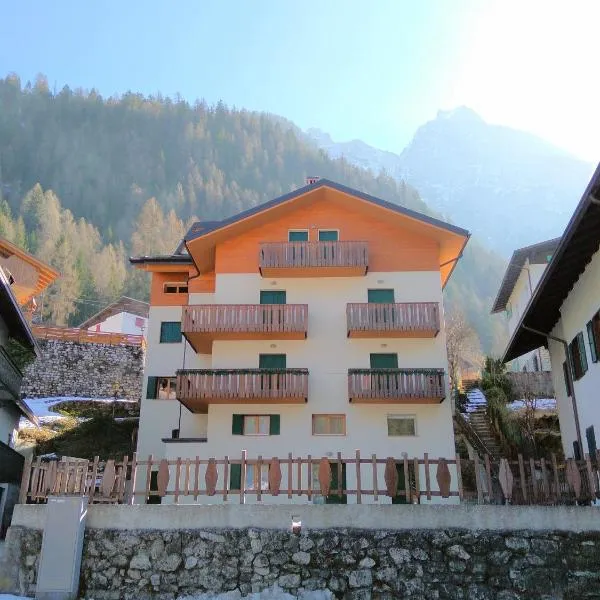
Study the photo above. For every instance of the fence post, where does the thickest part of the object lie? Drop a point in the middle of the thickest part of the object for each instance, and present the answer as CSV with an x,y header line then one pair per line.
x,y
225,478
375,489
25,480
358,491
522,476
243,477
459,478
407,490
478,479
427,476
488,472
133,478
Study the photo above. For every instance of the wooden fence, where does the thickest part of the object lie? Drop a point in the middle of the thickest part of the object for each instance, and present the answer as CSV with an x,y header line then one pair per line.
x,y
405,479
69,334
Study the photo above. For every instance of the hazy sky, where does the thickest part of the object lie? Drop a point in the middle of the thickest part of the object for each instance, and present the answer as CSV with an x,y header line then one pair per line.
x,y
370,69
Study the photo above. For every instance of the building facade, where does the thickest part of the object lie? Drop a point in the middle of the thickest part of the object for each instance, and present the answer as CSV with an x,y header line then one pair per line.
x,y
127,316
312,325
564,313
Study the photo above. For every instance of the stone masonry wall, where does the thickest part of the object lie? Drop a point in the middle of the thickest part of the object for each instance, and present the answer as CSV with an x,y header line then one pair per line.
x,y
351,563
85,370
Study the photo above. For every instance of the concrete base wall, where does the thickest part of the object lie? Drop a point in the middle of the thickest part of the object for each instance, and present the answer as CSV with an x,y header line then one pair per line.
x,y
479,552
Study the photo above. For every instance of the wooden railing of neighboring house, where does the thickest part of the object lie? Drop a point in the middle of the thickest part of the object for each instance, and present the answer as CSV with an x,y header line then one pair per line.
x,y
389,384
524,481
245,318
71,334
10,375
283,255
404,316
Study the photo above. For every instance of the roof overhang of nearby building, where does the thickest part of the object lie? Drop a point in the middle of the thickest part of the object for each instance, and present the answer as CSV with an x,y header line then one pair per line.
x,y
536,254
123,305
203,237
175,263
579,243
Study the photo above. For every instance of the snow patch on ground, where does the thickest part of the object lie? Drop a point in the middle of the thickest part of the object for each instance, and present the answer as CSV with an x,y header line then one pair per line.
x,y
541,404
42,407
11,597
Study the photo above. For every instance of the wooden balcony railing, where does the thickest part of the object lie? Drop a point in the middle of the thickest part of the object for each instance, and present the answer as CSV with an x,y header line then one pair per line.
x,y
313,259
10,375
202,324
198,388
406,319
412,386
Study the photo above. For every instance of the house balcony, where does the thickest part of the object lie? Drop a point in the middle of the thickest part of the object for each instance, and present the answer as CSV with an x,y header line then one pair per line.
x,y
396,386
203,324
401,320
198,388
10,375
313,259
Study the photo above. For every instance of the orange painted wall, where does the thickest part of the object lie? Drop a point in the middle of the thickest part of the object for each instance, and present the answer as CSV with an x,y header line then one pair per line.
x,y
157,294
202,284
390,248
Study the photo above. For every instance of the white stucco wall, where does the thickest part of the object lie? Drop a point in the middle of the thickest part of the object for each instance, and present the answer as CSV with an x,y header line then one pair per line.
x,y
122,323
581,304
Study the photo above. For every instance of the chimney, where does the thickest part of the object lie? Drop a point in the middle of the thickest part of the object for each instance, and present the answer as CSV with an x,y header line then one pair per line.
x,y
311,180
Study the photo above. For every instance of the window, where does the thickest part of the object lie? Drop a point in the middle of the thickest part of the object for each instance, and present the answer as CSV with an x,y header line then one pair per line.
x,y
593,331
380,296
176,288
590,435
384,361
578,357
328,235
170,332
272,297
298,235
161,388
255,425
567,378
401,425
329,424
272,361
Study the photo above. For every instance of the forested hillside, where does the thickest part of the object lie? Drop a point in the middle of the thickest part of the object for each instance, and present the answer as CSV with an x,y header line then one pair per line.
x,y
86,181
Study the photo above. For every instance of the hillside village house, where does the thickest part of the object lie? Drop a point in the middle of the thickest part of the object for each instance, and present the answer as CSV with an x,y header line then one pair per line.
x,y
311,324
126,315
523,273
564,314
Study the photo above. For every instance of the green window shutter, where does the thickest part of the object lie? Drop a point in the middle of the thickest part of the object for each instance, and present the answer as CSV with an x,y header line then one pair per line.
x,y
590,435
272,297
274,425
235,477
170,332
297,236
152,388
380,296
592,342
272,361
582,354
237,425
567,378
328,236
384,361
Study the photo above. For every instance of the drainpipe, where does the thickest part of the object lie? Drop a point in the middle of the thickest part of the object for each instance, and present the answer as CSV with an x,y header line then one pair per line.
x,y
569,374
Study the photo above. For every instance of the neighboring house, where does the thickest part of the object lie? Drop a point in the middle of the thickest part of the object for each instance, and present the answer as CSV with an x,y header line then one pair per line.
x,y
311,324
524,271
126,315
31,276
564,313
13,325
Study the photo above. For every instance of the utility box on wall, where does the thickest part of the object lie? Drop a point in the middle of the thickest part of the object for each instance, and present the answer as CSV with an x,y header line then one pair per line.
x,y
62,546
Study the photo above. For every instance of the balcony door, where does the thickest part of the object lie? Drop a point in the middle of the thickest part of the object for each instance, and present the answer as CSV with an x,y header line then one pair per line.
x,y
381,297
272,318
271,381
298,253
384,383
384,361
327,251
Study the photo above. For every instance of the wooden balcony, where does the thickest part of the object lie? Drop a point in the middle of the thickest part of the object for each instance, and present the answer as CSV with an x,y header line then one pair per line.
x,y
197,389
10,375
202,324
401,320
313,259
396,386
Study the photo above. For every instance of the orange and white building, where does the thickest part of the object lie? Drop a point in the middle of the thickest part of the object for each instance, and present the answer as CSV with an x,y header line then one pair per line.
x,y
311,324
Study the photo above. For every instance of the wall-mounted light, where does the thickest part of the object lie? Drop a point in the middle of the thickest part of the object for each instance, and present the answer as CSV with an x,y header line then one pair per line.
x,y
380,281
273,346
273,283
384,345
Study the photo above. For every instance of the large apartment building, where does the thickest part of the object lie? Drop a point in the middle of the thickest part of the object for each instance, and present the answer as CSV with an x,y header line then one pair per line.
x,y
311,324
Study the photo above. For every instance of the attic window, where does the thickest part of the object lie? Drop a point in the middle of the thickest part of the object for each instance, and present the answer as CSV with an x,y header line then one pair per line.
x,y
176,288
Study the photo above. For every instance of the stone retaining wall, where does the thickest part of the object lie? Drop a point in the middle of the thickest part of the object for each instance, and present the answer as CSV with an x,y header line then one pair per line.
x,y
448,562
85,370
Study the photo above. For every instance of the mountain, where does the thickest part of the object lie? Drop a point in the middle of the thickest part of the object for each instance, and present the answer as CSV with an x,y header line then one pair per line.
x,y
125,174
508,187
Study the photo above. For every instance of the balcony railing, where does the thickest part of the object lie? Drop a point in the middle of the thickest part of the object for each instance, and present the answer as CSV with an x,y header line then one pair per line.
x,y
313,259
10,375
412,386
202,324
407,319
198,388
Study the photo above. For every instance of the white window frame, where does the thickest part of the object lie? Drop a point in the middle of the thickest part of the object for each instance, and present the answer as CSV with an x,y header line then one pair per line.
x,y
297,231
404,418
329,229
342,415
257,417
172,387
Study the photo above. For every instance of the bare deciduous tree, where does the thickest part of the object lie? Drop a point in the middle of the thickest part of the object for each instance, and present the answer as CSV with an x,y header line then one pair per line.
x,y
462,344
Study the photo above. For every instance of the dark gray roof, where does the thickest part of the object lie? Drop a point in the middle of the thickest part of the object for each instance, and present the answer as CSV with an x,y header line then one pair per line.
x,y
579,243
184,259
203,227
537,255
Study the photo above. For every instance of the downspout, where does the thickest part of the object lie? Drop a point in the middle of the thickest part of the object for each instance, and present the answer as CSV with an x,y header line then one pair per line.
x,y
571,380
